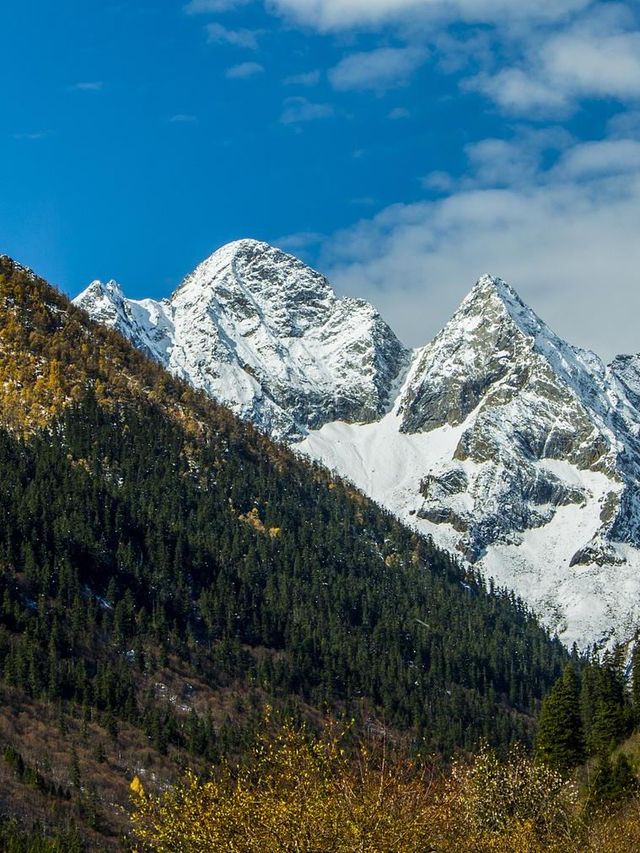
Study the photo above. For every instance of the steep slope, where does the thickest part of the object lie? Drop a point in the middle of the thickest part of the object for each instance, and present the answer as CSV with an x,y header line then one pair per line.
x,y
626,370
267,336
165,568
513,449
519,452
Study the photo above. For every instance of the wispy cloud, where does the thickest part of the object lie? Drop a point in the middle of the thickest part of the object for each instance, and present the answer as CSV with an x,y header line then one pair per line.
x,y
534,58
363,201
33,136
300,240
299,110
438,181
306,78
217,33
328,15
596,56
183,118
88,86
398,113
378,70
244,70
204,7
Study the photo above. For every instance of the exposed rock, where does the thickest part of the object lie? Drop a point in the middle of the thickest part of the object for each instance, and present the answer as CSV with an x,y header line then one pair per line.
x,y
266,335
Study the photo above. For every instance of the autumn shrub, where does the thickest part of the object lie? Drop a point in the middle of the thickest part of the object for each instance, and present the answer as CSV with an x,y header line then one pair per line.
x,y
616,830
298,793
515,804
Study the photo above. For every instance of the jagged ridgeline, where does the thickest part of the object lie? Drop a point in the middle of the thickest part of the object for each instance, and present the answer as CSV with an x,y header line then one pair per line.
x,y
145,527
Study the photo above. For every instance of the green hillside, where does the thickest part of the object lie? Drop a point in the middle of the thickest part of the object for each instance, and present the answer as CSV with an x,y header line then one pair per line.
x,y
165,571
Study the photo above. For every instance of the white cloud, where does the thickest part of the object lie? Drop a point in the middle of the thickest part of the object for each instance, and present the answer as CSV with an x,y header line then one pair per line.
x,y
516,90
558,51
596,55
625,124
298,110
217,33
398,113
594,63
88,86
379,70
33,136
200,7
244,70
503,163
606,157
299,241
566,238
497,162
306,78
439,181
341,14
183,118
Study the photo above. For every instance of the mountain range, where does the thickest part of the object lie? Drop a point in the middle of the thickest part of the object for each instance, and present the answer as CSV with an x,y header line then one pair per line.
x,y
512,449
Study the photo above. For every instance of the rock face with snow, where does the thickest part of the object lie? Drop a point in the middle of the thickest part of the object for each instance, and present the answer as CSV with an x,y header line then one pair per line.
x,y
513,449
527,401
267,336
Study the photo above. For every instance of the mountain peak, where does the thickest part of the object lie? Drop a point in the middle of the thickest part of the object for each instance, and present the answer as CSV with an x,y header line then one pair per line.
x,y
491,283
110,289
245,247
264,333
494,297
104,300
258,270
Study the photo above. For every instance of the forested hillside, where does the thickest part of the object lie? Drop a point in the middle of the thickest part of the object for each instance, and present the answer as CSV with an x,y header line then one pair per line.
x,y
165,571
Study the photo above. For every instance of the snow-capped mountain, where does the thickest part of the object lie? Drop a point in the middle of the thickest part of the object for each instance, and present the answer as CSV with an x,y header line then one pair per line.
x,y
513,449
267,336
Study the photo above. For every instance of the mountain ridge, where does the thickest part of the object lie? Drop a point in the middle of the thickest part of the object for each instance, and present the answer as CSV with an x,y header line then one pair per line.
x,y
285,351
519,449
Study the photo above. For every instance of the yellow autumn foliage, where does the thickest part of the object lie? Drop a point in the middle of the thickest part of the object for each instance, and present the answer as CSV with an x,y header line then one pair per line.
x,y
51,354
137,787
304,794
252,518
298,793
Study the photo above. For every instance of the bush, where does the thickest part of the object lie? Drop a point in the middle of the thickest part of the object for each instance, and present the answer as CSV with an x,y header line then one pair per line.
x,y
297,793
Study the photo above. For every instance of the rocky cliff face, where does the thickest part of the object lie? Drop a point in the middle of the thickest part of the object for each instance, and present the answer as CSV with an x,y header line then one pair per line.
x,y
515,450
266,335
527,400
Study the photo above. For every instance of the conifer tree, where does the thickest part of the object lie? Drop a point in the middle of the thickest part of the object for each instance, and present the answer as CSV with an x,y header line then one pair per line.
x,y
635,682
560,739
613,781
610,720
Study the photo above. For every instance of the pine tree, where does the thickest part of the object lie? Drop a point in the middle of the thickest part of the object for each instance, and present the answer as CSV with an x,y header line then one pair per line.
x,y
73,769
635,682
611,712
560,740
612,782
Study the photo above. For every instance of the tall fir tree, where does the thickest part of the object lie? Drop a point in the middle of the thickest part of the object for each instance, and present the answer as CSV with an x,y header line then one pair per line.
x,y
560,738
635,682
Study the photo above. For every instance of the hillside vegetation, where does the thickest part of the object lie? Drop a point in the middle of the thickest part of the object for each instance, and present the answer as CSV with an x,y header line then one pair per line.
x,y
165,570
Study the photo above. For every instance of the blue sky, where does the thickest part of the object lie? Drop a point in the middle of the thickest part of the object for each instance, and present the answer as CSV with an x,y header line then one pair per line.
x,y
402,146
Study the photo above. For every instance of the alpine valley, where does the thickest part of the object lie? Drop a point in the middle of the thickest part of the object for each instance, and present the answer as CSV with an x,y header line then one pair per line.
x,y
512,449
